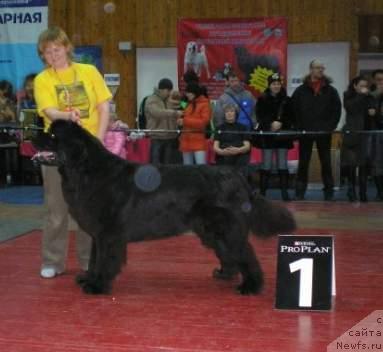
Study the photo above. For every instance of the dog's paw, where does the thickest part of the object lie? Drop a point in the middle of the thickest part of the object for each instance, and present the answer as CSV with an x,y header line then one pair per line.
x,y
224,274
95,288
250,287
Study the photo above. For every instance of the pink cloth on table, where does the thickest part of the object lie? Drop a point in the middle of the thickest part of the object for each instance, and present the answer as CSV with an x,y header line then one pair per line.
x,y
27,149
293,154
138,151
115,142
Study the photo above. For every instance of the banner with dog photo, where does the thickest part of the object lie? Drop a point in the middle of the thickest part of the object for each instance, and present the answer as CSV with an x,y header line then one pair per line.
x,y
253,48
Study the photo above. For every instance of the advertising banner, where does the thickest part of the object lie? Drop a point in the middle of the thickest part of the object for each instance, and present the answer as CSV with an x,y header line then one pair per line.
x,y
253,48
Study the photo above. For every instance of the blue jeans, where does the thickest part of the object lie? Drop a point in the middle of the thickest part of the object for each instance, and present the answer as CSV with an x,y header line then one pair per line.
x,y
267,157
191,158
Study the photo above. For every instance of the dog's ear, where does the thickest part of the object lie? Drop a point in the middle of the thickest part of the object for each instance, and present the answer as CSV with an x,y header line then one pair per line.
x,y
72,152
70,140
62,128
44,141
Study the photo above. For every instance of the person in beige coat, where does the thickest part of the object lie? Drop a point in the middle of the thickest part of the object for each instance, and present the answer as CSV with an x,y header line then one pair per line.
x,y
159,116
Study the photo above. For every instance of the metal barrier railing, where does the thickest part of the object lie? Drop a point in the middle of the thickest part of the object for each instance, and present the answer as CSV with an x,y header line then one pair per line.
x,y
292,133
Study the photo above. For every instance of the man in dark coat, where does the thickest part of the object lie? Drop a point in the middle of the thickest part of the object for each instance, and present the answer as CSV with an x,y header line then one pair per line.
x,y
317,107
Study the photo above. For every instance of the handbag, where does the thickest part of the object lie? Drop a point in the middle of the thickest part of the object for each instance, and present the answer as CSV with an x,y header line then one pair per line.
x,y
249,120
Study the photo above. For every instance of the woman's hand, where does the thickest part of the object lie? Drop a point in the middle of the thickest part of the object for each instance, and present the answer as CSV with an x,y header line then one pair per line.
x,y
224,152
74,115
276,126
233,151
371,112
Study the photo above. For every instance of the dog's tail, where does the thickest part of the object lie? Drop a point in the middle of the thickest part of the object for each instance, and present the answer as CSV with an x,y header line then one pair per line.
x,y
269,219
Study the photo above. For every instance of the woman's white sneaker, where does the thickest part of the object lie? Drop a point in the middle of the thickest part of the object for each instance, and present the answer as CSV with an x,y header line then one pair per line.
x,y
48,272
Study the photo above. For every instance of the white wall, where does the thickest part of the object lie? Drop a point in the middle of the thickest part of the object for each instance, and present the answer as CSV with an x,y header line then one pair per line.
x,y
152,65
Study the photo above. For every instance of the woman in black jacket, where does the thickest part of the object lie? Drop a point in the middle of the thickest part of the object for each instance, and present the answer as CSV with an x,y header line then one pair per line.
x,y
360,110
274,113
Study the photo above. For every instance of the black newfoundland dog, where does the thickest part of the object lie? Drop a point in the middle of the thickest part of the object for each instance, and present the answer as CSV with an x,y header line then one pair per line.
x,y
117,202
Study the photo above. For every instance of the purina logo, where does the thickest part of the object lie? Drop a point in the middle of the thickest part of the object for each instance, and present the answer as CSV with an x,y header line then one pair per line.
x,y
309,247
297,243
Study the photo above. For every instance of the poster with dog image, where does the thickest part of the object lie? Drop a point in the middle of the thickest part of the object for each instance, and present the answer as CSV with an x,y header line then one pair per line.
x,y
253,48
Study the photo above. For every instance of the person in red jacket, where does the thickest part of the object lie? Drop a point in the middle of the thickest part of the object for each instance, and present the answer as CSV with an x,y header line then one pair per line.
x,y
193,143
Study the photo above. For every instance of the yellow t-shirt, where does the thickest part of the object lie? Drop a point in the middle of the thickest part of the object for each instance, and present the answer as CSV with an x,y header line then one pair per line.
x,y
80,86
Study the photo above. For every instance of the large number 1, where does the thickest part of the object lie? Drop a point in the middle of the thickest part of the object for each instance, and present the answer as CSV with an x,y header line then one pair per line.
x,y
305,265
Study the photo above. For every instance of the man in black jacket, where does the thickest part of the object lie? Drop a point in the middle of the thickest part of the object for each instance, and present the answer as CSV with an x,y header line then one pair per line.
x,y
317,107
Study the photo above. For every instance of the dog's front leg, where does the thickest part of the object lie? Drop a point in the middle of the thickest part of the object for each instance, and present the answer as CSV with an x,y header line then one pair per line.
x,y
83,277
109,255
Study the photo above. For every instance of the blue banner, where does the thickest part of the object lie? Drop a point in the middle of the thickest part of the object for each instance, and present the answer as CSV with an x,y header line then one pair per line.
x,y
21,22
89,54
23,3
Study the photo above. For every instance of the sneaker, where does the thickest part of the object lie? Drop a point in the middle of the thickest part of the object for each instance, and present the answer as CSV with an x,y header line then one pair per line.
x,y
48,272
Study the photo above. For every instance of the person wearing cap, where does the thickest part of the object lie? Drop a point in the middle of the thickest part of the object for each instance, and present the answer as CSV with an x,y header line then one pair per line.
x,y
164,144
274,113
193,143
317,108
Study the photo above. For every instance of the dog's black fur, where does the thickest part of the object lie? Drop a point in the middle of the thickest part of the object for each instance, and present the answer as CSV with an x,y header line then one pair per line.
x,y
117,202
247,62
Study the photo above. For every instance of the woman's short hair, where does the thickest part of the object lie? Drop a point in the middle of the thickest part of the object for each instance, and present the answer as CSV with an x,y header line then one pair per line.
x,y
54,35
230,106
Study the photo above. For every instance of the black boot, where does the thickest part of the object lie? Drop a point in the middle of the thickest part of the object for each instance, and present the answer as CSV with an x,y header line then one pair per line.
x,y
264,181
379,187
284,184
300,190
351,178
363,184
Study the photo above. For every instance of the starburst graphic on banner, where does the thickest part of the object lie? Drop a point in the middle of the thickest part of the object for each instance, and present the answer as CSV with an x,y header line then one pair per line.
x,y
258,79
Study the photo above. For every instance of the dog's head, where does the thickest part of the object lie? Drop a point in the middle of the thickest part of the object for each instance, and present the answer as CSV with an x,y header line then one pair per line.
x,y
71,142
191,47
227,68
68,140
241,53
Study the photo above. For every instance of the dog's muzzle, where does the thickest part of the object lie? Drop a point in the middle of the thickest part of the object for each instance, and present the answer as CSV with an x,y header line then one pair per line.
x,y
45,158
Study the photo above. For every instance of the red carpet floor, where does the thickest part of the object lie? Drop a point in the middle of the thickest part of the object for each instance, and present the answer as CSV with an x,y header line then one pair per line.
x,y
166,300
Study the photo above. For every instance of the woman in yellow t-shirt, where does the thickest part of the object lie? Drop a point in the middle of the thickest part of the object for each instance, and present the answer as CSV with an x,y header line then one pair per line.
x,y
70,91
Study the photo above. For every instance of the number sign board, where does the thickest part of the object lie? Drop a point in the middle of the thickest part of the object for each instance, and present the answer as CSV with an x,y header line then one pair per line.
x,y
305,272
